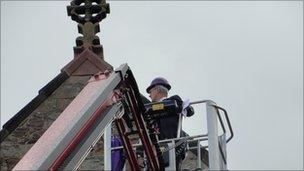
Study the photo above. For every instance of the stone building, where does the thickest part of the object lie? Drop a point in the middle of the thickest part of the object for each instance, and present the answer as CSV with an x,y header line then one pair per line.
x,y
21,132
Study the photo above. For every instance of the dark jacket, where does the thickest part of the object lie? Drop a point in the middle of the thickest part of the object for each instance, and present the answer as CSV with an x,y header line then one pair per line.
x,y
168,126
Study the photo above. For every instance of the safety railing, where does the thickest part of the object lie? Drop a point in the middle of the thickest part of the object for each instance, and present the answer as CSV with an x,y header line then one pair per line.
x,y
216,148
216,145
228,122
219,117
171,147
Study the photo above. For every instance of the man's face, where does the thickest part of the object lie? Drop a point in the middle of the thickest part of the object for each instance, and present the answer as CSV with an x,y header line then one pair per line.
x,y
153,95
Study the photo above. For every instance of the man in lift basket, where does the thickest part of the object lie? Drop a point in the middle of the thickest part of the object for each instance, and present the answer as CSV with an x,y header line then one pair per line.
x,y
168,112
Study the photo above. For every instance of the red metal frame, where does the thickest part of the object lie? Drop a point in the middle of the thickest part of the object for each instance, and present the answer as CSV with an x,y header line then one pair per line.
x,y
127,144
143,134
141,131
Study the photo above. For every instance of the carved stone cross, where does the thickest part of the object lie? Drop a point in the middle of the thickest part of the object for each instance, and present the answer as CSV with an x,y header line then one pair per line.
x,y
88,14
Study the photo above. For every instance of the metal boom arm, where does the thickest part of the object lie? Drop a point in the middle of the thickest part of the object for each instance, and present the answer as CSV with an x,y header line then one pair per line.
x,y
74,133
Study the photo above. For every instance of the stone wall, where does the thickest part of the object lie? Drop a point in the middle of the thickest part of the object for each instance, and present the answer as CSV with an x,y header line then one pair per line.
x,y
30,130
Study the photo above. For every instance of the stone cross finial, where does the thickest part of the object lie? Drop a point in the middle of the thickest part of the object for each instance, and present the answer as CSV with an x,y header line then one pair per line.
x,y
88,13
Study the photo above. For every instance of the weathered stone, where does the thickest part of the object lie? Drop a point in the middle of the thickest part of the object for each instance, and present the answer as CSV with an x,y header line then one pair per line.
x,y
3,164
94,161
14,150
30,130
61,104
52,116
34,121
21,131
78,79
33,138
68,91
11,162
71,88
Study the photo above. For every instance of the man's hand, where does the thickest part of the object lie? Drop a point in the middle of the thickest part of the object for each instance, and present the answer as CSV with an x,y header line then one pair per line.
x,y
190,111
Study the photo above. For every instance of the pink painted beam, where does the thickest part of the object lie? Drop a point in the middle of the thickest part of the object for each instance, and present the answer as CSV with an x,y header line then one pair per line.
x,y
61,134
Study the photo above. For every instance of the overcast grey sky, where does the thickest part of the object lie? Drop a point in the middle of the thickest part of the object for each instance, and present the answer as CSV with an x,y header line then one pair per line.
x,y
246,56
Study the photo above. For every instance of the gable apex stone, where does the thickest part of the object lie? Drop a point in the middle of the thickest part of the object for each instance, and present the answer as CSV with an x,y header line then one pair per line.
x,y
86,63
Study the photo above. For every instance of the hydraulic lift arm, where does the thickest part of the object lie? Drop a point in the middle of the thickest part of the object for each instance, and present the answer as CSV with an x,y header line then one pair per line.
x,y
75,132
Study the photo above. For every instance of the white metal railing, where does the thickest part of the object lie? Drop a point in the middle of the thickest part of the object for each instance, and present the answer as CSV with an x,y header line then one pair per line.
x,y
216,155
107,148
